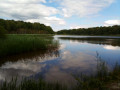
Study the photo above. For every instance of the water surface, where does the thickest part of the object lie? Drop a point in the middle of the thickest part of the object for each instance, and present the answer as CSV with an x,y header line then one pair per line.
x,y
75,55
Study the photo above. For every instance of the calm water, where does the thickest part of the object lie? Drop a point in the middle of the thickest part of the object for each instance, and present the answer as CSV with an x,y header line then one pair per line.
x,y
76,55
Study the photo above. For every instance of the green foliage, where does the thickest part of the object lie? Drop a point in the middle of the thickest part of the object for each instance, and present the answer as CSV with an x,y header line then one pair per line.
x,y
2,32
20,27
15,44
111,30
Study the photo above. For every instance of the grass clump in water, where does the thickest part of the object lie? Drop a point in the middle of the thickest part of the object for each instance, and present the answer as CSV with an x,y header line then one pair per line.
x,y
15,44
103,80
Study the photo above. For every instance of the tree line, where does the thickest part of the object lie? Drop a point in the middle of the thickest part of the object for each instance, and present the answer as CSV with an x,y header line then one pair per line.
x,y
110,30
21,27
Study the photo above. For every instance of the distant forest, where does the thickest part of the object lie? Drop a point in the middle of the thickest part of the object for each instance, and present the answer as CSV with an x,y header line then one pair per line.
x,y
111,30
20,27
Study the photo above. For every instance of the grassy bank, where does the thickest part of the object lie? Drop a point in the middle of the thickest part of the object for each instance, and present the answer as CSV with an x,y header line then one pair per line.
x,y
15,44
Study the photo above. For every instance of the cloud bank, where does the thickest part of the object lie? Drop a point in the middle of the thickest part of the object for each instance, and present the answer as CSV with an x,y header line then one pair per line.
x,y
112,22
30,10
44,11
83,8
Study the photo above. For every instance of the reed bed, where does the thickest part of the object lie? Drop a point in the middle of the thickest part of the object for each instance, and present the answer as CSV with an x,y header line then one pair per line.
x,y
15,44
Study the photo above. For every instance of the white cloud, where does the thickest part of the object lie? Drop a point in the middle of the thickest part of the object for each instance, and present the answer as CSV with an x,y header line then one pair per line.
x,y
108,47
56,75
83,8
39,11
24,67
48,21
75,27
78,60
112,22
55,19
23,1
62,46
82,26
30,10
26,11
74,42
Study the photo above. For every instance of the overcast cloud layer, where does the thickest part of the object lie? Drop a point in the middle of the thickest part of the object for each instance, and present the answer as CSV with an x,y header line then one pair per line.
x,y
44,11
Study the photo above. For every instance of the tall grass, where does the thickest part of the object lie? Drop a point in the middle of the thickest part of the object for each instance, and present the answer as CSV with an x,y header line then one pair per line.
x,y
15,44
2,32
102,80
31,84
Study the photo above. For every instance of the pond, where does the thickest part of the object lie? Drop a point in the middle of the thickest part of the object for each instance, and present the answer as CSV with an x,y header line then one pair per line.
x,y
75,55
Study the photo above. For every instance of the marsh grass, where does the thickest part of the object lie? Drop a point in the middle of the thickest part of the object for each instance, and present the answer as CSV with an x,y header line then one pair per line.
x,y
2,32
103,79
15,44
31,84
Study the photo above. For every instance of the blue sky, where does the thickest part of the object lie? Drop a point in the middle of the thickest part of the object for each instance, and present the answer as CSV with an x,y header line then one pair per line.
x,y
63,14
